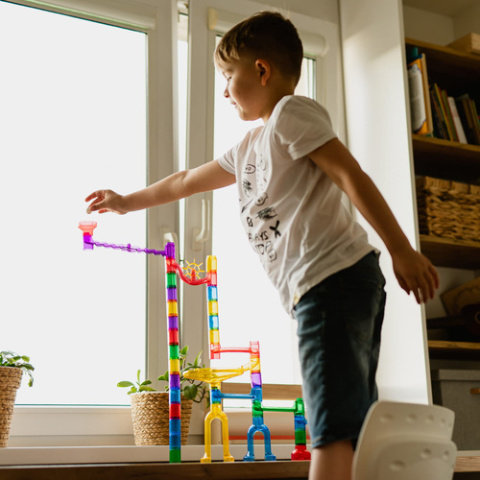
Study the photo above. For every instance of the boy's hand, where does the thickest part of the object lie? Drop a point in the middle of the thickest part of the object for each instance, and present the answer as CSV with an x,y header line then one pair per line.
x,y
106,201
415,273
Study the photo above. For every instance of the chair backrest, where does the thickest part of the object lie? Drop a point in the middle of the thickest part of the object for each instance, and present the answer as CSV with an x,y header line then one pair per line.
x,y
406,441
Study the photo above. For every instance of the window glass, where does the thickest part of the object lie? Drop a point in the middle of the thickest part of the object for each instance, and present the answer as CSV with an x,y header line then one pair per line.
x,y
249,306
73,119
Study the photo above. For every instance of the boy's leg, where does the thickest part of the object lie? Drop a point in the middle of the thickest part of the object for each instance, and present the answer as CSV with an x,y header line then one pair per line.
x,y
339,324
332,461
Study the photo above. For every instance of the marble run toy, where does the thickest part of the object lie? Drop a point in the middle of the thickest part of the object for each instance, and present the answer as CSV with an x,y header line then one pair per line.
x,y
214,377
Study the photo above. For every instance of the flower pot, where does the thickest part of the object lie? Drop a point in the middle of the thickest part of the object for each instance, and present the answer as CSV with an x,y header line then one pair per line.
x,y
10,380
150,418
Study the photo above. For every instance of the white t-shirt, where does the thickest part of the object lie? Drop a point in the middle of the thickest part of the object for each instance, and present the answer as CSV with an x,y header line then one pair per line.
x,y
291,210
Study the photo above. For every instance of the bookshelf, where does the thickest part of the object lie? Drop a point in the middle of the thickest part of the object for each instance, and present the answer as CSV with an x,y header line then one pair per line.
x,y
458,73
455,70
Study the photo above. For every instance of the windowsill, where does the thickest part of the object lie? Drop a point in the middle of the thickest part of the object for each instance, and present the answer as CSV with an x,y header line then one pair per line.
x,y
124,454
110,426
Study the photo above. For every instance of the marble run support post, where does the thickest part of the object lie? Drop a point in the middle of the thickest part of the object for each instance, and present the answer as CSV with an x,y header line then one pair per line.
x,y
300,452
212,302
258,424
174,355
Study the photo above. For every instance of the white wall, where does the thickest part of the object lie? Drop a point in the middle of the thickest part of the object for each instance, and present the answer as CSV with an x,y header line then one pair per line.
x,y
427,26
440,29
325,9
467,22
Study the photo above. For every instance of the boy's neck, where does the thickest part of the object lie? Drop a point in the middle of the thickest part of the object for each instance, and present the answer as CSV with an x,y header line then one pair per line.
x,y
275,96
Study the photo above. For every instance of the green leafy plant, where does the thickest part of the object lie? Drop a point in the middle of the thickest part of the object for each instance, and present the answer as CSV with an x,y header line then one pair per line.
x,y
191,389
12,359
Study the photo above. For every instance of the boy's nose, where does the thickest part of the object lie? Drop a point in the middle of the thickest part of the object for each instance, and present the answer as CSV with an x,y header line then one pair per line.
x,y
225,93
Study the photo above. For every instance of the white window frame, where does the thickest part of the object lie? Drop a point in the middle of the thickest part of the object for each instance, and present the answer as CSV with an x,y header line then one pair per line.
x,y
218,16
207,19
44,425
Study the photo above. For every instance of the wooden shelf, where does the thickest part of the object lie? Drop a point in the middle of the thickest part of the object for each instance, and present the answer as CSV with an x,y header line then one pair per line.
x,y
436,157
451,253
457,350
466,462
456,71
211,471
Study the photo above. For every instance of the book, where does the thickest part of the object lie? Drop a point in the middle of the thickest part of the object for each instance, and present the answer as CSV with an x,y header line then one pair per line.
x,y
466,111
449,117
457,121
476,120
440,127
417,82
426,94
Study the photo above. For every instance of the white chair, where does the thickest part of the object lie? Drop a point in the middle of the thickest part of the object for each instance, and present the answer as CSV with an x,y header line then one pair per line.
x,y
405,441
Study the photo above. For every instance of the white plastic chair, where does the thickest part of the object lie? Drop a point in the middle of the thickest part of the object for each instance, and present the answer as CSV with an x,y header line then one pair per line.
x,y
405,441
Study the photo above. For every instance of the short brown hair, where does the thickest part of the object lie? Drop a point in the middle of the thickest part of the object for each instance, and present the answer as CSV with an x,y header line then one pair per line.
x,y
266,35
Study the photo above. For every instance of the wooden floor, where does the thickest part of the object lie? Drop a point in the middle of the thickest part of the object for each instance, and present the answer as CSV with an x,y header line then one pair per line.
x,y
466,467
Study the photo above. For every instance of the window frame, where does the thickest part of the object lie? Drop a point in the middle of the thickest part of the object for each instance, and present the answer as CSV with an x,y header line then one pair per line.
x,y
52,425
219,16
93,425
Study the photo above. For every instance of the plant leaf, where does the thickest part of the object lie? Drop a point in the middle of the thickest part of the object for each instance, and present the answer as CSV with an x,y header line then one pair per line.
x,y
190,391
144,388
125,383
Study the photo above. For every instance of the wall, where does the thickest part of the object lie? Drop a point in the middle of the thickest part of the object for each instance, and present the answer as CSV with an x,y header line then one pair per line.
x,y
325,9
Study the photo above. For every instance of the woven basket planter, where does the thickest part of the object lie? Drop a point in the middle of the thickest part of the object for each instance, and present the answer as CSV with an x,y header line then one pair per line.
x,y
10,380
150,418
448,209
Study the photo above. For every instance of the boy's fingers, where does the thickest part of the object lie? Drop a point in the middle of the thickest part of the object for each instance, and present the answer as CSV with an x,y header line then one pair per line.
x,y
92,195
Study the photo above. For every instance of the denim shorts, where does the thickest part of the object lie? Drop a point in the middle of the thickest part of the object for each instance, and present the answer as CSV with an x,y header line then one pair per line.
x,y
339,327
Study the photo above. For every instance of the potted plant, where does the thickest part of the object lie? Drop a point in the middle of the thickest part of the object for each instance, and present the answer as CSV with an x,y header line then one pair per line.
x,y
150,413
12,367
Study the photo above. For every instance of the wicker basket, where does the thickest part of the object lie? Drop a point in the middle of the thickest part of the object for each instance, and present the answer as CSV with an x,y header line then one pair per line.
x,y
448,209
10,380
150,418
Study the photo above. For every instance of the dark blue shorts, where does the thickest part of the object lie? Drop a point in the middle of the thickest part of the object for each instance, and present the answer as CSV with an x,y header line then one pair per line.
x,y
339,326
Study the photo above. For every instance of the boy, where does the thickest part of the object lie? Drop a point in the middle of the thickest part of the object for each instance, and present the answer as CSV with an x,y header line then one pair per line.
x,y
290,175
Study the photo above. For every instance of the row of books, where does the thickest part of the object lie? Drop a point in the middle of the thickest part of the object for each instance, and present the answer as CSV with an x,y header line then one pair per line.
x,y
434,112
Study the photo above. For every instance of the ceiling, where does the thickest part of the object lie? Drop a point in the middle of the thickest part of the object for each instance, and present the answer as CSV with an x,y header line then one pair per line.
x,y
450,8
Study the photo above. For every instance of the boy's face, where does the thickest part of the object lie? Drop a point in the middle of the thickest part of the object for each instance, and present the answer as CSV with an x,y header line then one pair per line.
x,y
244,87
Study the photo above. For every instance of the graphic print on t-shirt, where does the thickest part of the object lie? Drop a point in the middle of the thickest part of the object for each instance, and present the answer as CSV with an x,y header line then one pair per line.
x,y
261,222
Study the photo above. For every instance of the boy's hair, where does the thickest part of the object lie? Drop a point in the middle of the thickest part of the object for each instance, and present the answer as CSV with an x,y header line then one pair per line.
x,y
266,35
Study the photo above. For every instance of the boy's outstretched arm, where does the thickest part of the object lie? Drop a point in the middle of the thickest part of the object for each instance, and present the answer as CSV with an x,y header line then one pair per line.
x,y
174,187
414,272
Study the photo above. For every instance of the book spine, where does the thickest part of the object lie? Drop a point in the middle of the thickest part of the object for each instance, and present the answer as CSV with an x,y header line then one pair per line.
x,y
417,98
456,120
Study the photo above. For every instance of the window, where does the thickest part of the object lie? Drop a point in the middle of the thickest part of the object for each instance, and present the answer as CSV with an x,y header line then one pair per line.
x,y
74,117
243,315
247,297
129,60
86,96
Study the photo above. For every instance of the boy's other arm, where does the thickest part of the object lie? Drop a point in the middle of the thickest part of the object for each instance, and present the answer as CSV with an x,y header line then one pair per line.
x,y
209,176
414,272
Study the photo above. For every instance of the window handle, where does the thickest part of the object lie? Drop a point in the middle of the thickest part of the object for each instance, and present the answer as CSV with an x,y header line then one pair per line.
x,y
201,235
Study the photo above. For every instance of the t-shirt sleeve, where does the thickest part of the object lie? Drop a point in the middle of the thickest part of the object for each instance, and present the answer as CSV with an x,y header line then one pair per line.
x,y
227,160
303,125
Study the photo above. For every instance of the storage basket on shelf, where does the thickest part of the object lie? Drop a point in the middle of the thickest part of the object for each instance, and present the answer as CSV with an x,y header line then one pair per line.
x,y
150,418
448,209
10,380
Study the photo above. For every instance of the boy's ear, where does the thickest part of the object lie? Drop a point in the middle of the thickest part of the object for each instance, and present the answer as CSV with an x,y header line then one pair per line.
x,y
264,70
